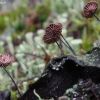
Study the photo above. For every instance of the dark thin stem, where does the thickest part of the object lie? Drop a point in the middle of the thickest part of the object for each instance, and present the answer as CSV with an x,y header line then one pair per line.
x,y
27,79
69,45
60,48
95,16
11,79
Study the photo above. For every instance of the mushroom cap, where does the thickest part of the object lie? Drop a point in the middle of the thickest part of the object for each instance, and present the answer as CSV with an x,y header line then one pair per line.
x,y
52,33
5,59
90,9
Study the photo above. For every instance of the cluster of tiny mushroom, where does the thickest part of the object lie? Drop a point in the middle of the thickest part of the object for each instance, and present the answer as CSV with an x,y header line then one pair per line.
x,y
53,31
52,35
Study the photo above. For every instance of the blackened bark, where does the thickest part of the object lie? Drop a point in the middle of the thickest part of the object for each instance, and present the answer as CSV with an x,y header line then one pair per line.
x,y
62,73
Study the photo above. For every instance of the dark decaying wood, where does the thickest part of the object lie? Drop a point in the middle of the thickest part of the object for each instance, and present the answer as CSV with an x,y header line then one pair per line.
x,y
62,73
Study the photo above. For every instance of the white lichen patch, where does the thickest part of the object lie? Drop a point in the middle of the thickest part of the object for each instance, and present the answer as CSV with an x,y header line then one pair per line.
x,y
91,59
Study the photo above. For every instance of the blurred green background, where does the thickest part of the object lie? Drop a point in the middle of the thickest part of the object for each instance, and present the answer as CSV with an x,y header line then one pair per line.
x,y
22,26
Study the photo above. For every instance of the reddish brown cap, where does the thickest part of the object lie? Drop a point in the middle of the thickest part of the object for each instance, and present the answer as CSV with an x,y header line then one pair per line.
x,y
52,33
5,59
90,9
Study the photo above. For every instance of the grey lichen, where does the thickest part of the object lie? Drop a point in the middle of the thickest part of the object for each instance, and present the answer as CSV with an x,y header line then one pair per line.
x,y
92,58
